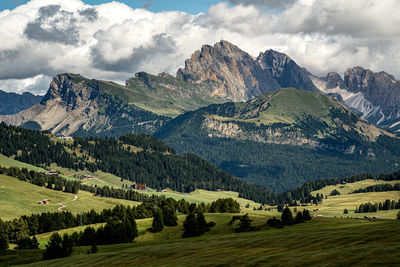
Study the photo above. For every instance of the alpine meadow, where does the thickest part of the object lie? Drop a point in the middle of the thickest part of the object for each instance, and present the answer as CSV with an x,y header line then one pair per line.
x,y
200,133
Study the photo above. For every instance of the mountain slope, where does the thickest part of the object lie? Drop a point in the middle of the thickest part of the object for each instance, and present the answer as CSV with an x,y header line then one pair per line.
x,y
284,138
11,103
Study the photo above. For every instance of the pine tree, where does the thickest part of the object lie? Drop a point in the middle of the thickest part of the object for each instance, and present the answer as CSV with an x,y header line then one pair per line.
x,y
244,224
201,223
287,217
169,216
3,236
190,225
3,240
306,215
299,217
158,223
53,247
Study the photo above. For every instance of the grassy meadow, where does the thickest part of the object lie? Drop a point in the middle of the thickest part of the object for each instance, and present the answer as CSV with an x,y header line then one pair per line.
x,y
21,198
320,242
334,206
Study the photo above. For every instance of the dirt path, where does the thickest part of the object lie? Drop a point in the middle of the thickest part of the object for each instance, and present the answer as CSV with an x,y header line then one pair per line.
x,y
63,203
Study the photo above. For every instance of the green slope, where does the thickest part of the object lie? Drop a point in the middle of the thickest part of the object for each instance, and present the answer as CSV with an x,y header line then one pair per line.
x,y
283,139
320,242
21,198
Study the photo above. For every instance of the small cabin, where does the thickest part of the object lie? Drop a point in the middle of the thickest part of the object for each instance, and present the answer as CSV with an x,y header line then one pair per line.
x,y
140,186
44,202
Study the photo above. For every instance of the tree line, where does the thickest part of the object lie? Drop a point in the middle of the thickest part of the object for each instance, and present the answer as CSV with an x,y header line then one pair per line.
x,y
386,205
30,225
378,188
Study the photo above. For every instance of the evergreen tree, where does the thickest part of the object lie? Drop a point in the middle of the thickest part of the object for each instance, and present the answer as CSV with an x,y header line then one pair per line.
x,y
306,215
66,246
190,225
202,226
244,224
287,217
3,236
299,217
345,211
169,216
158,223
53,247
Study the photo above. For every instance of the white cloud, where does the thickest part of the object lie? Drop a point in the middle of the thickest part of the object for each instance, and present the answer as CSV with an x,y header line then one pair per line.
x,y
113,41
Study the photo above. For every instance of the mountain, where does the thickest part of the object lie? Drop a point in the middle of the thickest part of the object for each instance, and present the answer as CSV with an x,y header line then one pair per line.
x,y
284,138
75,105
375,96
11,103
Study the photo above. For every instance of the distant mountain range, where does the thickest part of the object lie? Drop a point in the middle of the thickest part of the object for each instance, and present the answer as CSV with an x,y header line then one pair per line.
x,y
11,103
264,119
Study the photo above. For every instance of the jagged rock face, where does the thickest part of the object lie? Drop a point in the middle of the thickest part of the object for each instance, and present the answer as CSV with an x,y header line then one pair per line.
x,y
334,80
238,74
65,108
74,104
242,77
285,71
381,89
11,103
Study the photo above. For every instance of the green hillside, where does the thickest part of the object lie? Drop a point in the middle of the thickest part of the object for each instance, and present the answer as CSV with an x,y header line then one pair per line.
x,y
21,198
327,242
155,164
283,139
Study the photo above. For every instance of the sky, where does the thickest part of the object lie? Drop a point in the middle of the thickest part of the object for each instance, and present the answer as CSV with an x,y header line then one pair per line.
x,y
114,40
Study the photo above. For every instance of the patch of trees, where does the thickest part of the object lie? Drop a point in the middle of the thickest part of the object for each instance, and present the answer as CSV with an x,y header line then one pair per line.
x,y
334,192
386,205
288,219
34,224
378,188
196,225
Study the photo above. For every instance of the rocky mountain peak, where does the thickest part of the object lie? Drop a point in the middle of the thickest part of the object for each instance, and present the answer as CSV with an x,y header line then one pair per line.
x,y
69,90
334,80
381,88
285,70
237,74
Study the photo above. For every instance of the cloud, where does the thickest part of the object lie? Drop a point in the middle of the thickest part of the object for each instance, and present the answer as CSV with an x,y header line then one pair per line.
x,y
37,85
54,25
113,41
280,4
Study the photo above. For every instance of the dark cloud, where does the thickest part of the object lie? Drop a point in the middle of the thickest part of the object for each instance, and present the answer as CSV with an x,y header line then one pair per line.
x,y
89,13
281,4
161,45
60,26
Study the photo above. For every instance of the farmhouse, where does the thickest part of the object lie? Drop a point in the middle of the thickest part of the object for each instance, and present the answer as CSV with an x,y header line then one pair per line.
x,y
140,186
44,201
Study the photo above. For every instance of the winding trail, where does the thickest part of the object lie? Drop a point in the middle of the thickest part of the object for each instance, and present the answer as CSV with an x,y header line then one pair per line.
x,y
63,203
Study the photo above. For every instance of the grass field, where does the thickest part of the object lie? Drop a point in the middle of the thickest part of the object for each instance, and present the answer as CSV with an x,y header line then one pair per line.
x,y
335,205
320,242
21,198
